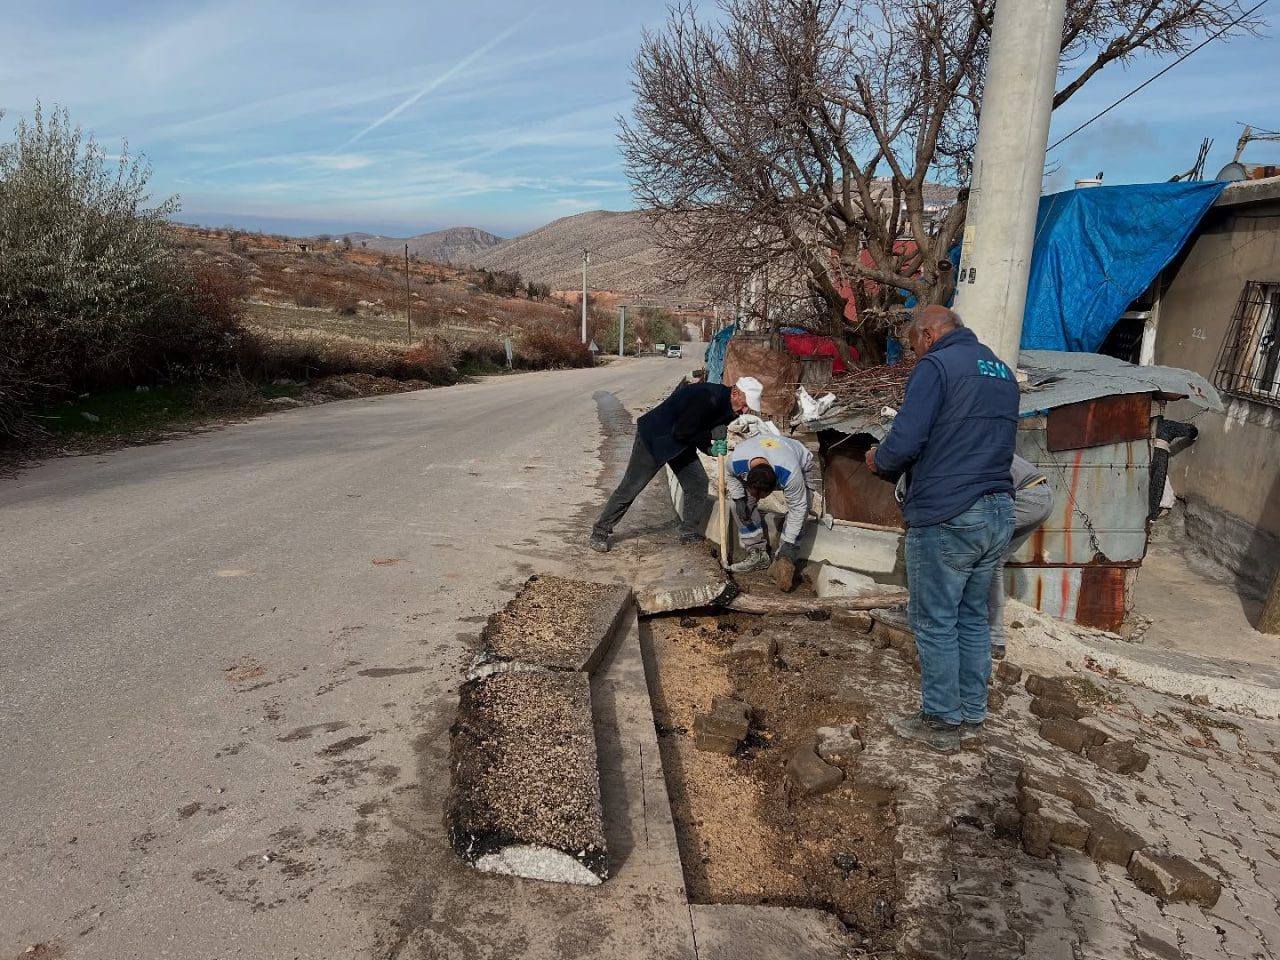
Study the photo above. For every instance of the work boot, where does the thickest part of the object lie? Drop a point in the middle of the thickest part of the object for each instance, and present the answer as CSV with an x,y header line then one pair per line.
x,y
757,559
599,543
931,731
971,735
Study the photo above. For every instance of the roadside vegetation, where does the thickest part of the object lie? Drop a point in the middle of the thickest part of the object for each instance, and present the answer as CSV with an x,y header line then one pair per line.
x,y
117,322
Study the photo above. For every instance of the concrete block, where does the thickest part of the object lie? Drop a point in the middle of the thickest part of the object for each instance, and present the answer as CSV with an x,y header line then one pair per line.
x,y
872,552
841,741
525,796
1173,879
810,775
556,623
1040,686
724,727
1052,708
1074,791
759,650
1008,672
1118,756
833,581
1109,841
1070,735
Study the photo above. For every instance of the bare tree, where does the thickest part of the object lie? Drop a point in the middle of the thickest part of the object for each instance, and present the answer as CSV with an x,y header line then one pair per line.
x,y
809,137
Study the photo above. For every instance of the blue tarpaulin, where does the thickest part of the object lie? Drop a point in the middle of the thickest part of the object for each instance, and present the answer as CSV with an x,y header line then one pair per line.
x,y
716,350
1097,250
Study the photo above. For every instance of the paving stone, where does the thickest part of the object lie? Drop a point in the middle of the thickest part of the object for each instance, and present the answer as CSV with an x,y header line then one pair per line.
x,y
1201,942
1008,672
1109,842
1054,708
841,741
982,919
1118,756
810,775
1040,906
1074,791
928,944
1051,945
976,877
1070,735
1106,940
1038,686
1163,947
758,650
982,950
724,727
1173,878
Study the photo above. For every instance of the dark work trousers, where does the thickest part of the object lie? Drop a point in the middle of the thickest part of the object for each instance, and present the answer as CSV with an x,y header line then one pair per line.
x,y
643,467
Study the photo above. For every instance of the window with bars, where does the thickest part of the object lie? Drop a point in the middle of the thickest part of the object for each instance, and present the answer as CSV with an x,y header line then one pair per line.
x,y
1249,362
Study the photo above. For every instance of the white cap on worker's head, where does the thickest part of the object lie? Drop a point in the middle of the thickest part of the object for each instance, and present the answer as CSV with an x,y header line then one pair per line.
x,y
753,390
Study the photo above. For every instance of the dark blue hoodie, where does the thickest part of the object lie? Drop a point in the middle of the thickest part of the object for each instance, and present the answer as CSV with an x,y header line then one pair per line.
x,y
685,419
955,432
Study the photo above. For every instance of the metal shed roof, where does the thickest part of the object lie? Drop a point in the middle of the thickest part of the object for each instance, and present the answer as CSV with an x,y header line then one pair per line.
x,y
1055,379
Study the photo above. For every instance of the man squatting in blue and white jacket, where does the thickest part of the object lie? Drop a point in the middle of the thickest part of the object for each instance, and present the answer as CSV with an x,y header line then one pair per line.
x,y
757,467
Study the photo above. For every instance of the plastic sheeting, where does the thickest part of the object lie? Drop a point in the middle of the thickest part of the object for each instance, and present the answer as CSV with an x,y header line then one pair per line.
x,y
714,355
1097,250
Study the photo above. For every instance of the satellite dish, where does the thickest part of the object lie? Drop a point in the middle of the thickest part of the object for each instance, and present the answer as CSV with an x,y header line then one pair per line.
x,y
1232,171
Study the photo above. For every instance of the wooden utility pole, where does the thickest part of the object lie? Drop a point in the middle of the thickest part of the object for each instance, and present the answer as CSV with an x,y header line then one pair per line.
x,y
408,296
1269,622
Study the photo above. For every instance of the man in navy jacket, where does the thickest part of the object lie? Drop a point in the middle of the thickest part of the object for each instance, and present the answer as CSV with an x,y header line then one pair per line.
x,y
953,439
672,433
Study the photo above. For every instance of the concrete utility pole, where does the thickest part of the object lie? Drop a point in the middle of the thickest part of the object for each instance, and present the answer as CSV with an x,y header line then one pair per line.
x,y
408,294
995,259
622,330
585,257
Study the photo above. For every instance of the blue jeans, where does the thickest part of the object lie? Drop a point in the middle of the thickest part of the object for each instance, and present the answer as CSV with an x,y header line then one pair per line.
x,y
949,569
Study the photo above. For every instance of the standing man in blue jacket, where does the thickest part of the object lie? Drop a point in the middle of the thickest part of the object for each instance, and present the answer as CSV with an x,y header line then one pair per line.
x,y
954,439
671,434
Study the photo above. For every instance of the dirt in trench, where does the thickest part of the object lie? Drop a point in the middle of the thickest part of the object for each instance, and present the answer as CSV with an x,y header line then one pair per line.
x,y
741,840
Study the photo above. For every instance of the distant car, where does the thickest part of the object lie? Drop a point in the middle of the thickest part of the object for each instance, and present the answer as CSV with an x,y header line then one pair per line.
x,y
674,351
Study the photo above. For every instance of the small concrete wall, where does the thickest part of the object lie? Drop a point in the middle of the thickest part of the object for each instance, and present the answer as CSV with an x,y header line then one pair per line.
x,y
1230,476
873,552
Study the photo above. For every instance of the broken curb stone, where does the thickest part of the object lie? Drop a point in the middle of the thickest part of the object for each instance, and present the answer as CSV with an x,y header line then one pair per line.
x,y
1060,785
1039,686
1118,756
839,741
1053,822
1173,879
810,775
525,797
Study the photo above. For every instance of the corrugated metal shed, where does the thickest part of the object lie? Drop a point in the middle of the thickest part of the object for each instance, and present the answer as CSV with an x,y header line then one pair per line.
x,y
1086,423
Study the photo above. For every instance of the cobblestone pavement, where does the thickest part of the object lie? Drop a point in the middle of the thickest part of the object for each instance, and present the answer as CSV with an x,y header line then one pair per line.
x,y
971,891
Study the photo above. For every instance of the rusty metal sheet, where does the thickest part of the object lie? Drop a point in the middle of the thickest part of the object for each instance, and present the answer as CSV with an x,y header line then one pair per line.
x,y
1100,503
1098,597
1101,421
852,491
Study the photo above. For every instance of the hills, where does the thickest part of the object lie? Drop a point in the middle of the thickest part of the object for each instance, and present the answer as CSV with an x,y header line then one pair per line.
x,y
457,245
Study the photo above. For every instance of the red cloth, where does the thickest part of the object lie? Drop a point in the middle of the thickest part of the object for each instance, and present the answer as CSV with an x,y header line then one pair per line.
x,y
811,345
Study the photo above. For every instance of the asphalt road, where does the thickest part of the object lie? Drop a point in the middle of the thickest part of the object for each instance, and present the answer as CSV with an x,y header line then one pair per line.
x,y
228,662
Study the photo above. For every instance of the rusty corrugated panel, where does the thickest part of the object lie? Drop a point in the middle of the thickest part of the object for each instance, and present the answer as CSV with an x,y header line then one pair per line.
x,y
1100,503
1100,421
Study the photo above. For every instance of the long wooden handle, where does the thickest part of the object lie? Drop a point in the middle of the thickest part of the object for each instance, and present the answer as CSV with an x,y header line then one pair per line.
x,y
724,518
784,605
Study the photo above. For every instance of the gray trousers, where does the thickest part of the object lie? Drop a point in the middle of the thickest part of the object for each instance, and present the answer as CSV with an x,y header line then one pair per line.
x,y
1031,507
642,468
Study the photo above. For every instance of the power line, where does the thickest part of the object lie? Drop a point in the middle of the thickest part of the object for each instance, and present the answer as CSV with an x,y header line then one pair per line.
x,y
1158,75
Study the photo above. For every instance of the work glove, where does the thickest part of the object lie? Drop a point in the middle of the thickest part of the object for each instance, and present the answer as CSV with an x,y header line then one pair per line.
x,y
789,550
720,433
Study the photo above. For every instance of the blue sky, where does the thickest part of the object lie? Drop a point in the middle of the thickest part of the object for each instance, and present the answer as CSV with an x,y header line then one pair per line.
x,y
400,118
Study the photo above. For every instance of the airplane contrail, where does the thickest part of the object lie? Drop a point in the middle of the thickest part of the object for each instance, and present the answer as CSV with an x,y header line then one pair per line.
x,y
443,78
